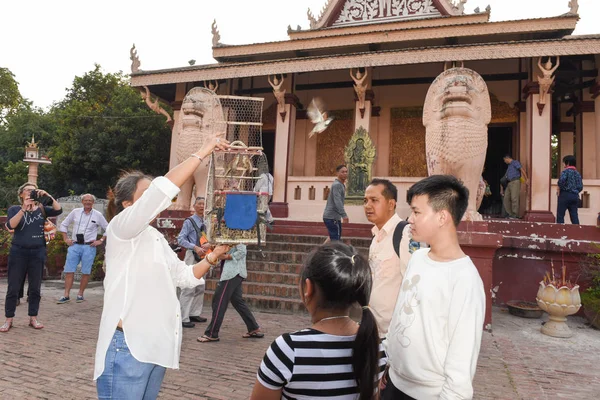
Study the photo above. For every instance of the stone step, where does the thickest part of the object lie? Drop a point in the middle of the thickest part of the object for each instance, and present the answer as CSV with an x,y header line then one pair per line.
x,y
275,290
297,247
267,303
315,239
273,277
269,266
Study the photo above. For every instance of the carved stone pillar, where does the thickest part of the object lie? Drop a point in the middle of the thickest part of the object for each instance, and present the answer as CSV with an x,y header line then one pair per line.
x,y
595,91
524,151
284,139
539,129
180,93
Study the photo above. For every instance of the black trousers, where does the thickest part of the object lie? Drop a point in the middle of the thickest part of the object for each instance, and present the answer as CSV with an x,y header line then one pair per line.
x,y
391,392
567,201
23,261
227,291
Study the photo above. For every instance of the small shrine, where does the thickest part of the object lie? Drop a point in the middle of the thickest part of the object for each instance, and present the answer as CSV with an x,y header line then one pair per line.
x,y
33,158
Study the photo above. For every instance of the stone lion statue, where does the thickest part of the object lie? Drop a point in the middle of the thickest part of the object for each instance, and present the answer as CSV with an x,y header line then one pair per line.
x,y
456,113
201,118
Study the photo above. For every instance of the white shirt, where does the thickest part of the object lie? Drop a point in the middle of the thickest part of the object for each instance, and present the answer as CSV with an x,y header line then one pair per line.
x,y
87,224
435,334
387,270
142,273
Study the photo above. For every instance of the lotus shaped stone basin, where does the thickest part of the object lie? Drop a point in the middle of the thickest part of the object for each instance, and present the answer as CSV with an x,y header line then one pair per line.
x,y
558,303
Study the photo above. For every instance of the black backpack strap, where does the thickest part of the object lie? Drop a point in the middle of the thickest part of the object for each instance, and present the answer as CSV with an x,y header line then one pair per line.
x,y
196,228
397,238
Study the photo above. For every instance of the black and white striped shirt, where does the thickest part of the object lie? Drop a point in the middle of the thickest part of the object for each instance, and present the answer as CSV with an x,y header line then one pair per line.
x,y
310,364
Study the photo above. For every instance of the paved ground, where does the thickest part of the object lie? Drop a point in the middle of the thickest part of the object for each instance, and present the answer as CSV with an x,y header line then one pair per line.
x,y
516,361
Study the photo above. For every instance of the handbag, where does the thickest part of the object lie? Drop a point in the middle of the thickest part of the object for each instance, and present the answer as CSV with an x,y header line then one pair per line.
x,y
201,240
49,227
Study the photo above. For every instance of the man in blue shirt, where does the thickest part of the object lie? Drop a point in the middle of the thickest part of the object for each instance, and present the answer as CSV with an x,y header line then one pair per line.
x,y
513,175
192,300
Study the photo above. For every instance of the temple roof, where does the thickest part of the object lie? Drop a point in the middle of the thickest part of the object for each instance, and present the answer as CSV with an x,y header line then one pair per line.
x,y
354,12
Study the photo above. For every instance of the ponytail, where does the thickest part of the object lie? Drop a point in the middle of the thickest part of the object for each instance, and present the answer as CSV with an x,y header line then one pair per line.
x,y
365,355
343,277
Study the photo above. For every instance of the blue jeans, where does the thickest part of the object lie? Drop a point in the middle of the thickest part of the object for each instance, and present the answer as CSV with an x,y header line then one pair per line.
x,y
567,201
124,377
334,227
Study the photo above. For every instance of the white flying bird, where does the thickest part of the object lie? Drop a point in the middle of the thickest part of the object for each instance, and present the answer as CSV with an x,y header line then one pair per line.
x,y
318,117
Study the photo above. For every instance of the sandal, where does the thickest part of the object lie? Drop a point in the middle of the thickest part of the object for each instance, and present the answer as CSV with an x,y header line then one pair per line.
x,y
207,339
6,327
35,324
253,335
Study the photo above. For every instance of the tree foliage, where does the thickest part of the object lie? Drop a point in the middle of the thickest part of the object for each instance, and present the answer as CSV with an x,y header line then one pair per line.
x,y
100,128
10,97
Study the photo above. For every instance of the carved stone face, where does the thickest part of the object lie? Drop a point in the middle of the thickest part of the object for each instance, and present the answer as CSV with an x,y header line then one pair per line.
x,y
457,92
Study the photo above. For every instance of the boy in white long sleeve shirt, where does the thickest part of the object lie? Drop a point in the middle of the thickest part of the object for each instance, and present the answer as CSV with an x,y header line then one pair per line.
x,y
435,334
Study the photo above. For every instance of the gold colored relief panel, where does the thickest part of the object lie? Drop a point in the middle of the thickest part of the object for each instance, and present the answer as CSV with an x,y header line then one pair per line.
x,y
407,150
502,112
332,142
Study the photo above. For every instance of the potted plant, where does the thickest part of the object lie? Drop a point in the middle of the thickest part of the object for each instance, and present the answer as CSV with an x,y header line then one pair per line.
x,y
590,298
56,255
5,243
559,298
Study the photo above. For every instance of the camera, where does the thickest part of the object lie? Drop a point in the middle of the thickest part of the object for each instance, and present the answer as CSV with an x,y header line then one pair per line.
x,y
44,200
80,239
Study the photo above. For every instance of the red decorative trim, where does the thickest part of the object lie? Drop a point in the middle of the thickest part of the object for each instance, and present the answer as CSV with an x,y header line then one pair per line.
x,y
539,216
279,210
291,98
532,87
540,107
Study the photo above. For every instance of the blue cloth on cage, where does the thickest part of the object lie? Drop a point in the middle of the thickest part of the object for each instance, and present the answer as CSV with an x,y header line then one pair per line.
x,y
240,211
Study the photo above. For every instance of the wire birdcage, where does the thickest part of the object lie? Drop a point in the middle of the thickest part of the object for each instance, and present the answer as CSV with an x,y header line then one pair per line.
x,y
235,208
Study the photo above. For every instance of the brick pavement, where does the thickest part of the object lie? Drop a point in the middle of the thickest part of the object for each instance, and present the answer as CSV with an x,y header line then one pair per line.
x,y
516,362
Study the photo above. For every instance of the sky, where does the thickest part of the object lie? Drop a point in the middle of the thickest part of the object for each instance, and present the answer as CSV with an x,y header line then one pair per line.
x,y
47,43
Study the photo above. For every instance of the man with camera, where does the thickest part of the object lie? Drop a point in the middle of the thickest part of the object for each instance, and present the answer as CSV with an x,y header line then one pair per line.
x,y
82,244
28,249
197,247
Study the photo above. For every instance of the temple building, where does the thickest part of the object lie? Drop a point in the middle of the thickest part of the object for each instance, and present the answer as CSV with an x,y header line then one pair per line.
x,y
371,64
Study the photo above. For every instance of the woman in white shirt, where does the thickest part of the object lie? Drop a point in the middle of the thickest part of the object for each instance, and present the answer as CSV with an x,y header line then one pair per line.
x,y
140,329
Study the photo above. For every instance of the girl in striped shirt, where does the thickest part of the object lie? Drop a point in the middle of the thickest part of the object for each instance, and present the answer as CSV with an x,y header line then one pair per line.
x,y
335,358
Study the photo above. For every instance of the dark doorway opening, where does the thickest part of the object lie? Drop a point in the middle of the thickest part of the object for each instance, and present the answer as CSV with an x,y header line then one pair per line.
x,y
500,139
268,141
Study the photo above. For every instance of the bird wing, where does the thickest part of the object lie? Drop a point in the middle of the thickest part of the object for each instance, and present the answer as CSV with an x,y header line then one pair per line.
x,y
314,113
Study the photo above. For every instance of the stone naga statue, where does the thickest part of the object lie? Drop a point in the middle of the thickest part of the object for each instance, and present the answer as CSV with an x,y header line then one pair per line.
x,y
200,119
456,113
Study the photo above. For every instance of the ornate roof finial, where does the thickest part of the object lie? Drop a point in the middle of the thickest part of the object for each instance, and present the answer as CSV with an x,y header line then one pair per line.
x,y
289,29
574,7
477,10
488,9
216,37
32,143
460,5
135,61
311,19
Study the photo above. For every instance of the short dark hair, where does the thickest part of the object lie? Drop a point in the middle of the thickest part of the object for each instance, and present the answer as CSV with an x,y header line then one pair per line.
x,y
570,160
337,169
507,155
445,192
389,189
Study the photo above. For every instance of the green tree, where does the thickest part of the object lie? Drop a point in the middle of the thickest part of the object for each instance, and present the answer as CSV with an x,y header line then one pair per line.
x,y
10,97
103,127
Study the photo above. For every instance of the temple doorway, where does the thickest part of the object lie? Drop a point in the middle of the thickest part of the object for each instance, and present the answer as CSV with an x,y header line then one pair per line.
x,y
268,141
500,139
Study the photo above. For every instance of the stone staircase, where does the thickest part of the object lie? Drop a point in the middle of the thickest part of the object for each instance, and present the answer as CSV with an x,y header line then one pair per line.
x,y
274,271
